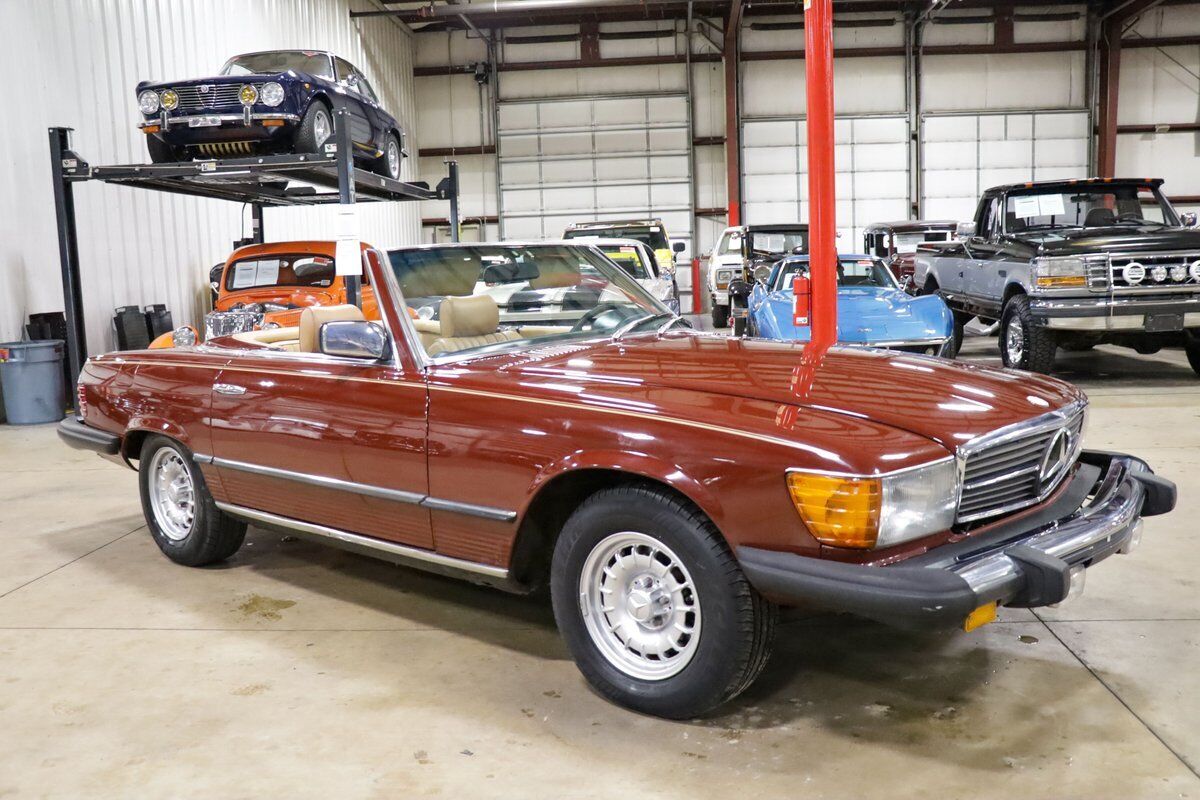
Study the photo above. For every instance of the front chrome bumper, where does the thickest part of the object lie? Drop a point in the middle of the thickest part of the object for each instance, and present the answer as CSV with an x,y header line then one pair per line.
x,y
1024,562
1112,313
165,122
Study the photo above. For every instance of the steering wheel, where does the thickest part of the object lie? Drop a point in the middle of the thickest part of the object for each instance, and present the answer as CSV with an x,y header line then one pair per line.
x,y
603,316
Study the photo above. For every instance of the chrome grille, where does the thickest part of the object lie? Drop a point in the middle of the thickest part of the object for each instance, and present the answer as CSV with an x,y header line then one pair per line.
x,y
1007,470
225,323
1118,262
218,94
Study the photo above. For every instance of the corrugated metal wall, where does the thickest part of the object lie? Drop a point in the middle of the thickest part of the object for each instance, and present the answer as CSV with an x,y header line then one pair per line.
x,y
75,63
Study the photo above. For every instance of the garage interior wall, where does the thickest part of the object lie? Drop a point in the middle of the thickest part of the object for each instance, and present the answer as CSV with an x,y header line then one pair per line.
x,y
136,246
985,119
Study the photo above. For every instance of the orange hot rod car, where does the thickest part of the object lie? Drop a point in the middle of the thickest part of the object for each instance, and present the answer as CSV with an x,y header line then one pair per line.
x,y
268,285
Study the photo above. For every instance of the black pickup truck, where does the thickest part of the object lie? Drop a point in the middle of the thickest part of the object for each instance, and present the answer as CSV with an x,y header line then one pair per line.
x,y
1072,264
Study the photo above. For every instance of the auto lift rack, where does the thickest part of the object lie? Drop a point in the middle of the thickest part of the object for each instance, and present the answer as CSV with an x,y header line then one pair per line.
x,y
260,181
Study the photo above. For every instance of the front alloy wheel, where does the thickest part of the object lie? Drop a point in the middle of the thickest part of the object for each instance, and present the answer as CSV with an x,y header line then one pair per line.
x,y
1024,345
653,606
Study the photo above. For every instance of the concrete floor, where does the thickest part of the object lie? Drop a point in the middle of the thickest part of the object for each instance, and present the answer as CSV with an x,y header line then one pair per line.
x,y
300,671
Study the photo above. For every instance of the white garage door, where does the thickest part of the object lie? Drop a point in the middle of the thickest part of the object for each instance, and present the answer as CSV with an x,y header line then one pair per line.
x,y
871,155
576,159
964,154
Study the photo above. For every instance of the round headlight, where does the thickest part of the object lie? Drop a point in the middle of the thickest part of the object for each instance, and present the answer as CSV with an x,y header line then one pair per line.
x,y
148,102
1158,273
169,99
1133,273
248,95
271,94
1179,273
1194,270
183,337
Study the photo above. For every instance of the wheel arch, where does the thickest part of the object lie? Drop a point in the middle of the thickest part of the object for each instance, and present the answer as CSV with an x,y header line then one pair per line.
x,y
141,428
1010,291
563,487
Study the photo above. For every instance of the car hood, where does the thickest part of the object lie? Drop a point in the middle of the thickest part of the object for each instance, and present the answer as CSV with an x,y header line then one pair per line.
x,y
865,314
948,402
1115,239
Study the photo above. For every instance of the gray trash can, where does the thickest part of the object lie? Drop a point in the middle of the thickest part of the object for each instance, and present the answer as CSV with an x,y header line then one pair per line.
x,y
32,378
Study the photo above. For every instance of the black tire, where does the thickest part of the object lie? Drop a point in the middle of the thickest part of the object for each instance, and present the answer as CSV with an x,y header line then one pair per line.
x,y
382,166
1192,349
740,325
737,625
160,151
720,316
212,535
1037,345
961,318
306,136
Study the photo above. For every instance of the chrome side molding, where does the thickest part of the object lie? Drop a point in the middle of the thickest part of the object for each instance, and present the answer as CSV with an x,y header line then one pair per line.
x,y
396,495
358,540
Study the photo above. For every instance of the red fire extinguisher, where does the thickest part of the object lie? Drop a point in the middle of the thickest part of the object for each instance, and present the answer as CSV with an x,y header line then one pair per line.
x,y
802,307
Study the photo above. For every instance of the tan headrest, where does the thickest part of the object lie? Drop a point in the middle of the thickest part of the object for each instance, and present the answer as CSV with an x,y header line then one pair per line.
x,y
313,317
469,316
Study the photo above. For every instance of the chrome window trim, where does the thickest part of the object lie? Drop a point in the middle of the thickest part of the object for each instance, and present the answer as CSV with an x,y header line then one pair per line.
x,y
403,551
1043,422
353,487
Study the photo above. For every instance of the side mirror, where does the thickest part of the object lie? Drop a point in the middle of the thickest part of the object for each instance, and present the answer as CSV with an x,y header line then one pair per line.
x,y
678,247
965,230
354,339
1188,219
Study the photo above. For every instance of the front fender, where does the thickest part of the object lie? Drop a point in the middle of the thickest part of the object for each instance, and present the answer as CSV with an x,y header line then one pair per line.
x,y
632,463
139,425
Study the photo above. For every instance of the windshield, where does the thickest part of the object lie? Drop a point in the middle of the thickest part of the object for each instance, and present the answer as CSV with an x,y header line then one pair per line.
x,y
287,270
483,298
280,61
1087,207
653,236
628,258
851,272
907,242
778,241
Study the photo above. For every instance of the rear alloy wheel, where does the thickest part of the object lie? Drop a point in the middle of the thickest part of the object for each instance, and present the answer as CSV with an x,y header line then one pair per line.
x,y
182,516
1023,345
653,606
388,164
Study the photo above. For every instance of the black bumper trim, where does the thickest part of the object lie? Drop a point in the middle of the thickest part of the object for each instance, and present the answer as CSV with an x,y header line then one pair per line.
x,y
1025,563
82,437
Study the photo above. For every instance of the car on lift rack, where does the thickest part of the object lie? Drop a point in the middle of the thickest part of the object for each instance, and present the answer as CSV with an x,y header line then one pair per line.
x,y
277,101
872,309
671,487
267,286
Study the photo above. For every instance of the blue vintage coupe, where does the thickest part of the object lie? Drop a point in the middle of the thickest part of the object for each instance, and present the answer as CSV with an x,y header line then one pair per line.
x,y
872,309
279,101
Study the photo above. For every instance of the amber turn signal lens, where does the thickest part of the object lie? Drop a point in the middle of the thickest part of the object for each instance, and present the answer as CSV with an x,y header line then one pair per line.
x,y
839,511
1060,281
151,129
980,617
272,123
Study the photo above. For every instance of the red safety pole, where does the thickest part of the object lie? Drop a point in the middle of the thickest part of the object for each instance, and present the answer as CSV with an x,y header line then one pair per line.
x,y
822,204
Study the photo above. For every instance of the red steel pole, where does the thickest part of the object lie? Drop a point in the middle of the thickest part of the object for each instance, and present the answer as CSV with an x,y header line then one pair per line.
x,y
822,203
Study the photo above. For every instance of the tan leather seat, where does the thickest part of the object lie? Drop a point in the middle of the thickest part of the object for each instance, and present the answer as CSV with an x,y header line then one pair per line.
x,y
313,317
429,330
274,338
468,322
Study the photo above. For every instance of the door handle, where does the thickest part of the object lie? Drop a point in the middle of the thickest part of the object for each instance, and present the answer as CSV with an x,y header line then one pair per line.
x,y
229,389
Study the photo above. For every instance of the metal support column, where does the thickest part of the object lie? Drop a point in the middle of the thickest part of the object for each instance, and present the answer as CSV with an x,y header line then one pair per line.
x,y
257,234
912,77
822,185
733,122
452,174
68,250
345,171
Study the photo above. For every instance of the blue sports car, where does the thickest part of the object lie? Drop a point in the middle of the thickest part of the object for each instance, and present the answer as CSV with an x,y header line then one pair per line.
x,y
280,101
872,309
